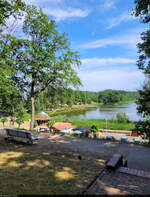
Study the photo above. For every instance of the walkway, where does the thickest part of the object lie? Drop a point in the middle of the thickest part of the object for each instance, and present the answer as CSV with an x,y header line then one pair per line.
x,y
137,156
110,183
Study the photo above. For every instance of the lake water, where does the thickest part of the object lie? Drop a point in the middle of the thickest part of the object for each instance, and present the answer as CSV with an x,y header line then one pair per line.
x,y
108,112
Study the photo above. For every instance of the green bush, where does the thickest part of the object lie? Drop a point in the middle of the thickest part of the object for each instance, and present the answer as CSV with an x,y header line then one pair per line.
x,y
35,123
143,128
19,121
50,124
94,129
3,120
122,118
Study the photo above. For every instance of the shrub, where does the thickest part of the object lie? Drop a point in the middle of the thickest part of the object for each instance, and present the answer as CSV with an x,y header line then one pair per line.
x,y
143,128
19,121
94,129
35,123
50,124
3,120
122,118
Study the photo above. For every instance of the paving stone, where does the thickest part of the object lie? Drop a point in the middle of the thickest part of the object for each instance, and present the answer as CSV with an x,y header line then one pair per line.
x,y
118,183
136,172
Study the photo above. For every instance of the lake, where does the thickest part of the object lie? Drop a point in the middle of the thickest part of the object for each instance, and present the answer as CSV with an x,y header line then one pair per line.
x,y
107,112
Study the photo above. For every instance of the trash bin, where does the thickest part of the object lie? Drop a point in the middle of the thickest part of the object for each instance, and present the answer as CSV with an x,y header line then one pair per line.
x,y
137,140
124,139
109,137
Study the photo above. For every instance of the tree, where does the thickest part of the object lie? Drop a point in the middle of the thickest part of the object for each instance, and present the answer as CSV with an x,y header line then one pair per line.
x,y
10,8
3,120
8,93
20,114
43,60
143,128
122,118
142,9
50,125
143,103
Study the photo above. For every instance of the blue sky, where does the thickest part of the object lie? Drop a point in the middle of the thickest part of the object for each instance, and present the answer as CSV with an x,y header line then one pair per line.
x,y
105,34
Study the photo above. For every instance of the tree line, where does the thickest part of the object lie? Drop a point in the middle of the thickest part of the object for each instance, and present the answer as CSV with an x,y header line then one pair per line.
x,y
51,99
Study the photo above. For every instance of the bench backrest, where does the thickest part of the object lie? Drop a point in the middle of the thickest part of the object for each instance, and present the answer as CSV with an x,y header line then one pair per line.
x,y
18,133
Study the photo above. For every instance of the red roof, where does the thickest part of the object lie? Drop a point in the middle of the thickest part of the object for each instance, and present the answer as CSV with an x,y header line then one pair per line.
x,y
60,125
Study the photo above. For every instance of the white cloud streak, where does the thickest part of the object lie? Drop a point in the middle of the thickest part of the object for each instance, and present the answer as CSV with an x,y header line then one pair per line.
x,y
108,4
62,14
127,40
37,2
124,17
98,62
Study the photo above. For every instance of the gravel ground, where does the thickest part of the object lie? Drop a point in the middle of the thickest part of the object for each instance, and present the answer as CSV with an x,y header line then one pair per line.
x,y
136,155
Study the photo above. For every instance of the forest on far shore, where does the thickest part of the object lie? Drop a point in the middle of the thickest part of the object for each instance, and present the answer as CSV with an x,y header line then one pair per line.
x,y
55,98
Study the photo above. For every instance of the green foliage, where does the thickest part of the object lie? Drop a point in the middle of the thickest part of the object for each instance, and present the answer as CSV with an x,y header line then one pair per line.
x,y
19,121
94,129
122,118
35,123
10,8
143,62
101,124
10,96
143,128
20,114
116,96
50,124
142,9
143,103
43,60
3,120
55,98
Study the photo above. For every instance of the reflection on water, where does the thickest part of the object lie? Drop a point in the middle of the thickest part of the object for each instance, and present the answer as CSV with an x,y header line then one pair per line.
x,y
107,112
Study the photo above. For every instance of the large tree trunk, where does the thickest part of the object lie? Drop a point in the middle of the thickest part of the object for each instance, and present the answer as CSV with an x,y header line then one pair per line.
x,y
32,113
32,105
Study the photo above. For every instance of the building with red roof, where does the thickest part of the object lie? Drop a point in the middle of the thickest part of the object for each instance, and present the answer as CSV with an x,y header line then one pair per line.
x,y
62,125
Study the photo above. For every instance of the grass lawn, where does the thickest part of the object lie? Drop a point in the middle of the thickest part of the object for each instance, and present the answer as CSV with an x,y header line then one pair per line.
x,y
101,124
26,171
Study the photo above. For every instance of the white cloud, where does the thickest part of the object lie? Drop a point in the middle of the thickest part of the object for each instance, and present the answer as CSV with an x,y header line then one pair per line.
x,y
98,62
108,4
62,14
41,1
112,79
58,9
130,39
110,73
124,17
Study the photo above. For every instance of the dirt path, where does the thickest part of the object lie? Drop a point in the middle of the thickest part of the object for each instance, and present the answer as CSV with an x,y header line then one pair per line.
x,y
137,156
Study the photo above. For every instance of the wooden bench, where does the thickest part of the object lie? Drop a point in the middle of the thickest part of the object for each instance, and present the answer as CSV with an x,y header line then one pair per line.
x,y
115,161
20,135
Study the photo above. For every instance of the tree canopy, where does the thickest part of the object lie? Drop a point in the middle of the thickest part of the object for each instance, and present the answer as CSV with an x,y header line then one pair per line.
x,y
9,95
44,59
10,8
142,9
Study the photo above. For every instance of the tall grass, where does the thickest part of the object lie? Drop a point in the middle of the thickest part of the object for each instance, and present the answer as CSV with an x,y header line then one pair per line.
x,y
102,124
